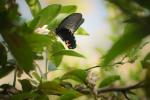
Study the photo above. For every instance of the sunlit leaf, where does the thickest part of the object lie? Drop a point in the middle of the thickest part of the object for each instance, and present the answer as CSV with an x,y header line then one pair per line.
x,y
109,80
77,75
68,53
36,76
68,9
81,31
48,14
34,6
64,12
70,96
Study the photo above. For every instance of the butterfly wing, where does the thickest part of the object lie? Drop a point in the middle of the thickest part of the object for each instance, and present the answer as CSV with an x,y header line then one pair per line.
x,y
72,22
67,28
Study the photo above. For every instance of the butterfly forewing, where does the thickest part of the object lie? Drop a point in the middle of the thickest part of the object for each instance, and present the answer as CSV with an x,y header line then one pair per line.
x,y
72,22
67,28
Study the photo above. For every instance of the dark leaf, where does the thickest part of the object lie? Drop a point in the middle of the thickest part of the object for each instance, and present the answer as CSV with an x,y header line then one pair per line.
x,y
5,70
26,85
3,55
20,50
37,41
146,61
23,96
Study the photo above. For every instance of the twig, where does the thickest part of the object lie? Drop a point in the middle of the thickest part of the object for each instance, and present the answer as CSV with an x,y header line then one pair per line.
x,y
46,62
15,76
116,63
92,68
38,68
125,95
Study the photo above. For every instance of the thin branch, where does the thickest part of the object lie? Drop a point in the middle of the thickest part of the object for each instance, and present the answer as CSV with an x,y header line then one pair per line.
x,y
92,68
15,76
125,95
46,62
135,86
114,89
38,68
116,63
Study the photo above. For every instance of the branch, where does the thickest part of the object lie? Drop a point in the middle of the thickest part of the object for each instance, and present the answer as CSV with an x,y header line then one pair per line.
x,y
114,89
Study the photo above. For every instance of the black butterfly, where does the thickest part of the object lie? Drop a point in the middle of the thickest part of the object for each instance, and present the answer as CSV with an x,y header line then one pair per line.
x,y
67,28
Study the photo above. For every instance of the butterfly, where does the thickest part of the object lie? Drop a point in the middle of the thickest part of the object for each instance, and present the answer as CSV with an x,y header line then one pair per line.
x,y
67,28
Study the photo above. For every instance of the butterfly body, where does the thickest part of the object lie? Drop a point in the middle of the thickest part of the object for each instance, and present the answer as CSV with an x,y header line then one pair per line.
x,y
67,28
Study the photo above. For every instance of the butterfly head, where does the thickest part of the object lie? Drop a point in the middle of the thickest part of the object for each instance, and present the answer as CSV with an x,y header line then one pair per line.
x,y
70,44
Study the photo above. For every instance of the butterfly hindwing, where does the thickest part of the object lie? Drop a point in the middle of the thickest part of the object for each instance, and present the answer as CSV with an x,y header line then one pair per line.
x,y
67,28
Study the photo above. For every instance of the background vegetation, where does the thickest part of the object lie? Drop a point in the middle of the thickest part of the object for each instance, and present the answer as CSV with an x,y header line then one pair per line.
x,y
23,46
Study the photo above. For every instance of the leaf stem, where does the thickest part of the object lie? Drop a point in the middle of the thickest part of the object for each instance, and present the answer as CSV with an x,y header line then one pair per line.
x,y
15,76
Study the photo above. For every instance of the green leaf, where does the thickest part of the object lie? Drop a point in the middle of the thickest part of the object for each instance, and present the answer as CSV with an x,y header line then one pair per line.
x,y
26,85
36,76
23,96
146,61
68,9
56,46
133,34
48,14
34,6
81,31
41,97
70,96
38,41
3,55
109,80
20,50
32,24
68,53
5,70
77,75
52,87
144,3
64,12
